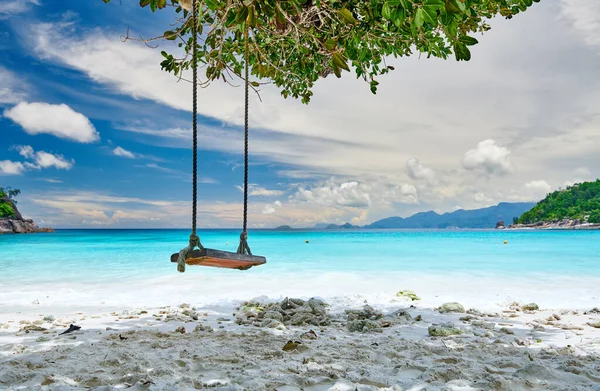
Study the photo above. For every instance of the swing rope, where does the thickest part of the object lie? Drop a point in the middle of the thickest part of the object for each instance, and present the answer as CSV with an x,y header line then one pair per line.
x,y
194,242
243,248
194,238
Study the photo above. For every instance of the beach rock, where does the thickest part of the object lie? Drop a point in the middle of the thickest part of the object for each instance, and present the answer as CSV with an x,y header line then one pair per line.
x,y
483,324
272,324
273,315
408,294
48,318
506,330
500,224
401,315
367,312
363,325
530,307
444,330
451,307
474,312
301,318
595,324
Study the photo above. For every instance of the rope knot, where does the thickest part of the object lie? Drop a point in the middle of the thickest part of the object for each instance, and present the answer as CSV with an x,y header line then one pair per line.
x,y
243,248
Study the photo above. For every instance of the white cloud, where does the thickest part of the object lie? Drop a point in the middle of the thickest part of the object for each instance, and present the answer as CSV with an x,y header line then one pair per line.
x,y
123,153
584,16
25,151
11,7
46,160
258,191
268,209
488,157
59,120
12,88
347,194
481,198
417,171
41,159
11,168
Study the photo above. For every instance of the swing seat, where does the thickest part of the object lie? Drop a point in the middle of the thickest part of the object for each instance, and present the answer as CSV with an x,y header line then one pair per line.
x,y
222,259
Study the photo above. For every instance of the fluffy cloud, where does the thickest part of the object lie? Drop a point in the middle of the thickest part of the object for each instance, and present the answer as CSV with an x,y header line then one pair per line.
x,y
417,171
59,120
11,168
11,7
488,157
123,153
46,160
347,194
41,159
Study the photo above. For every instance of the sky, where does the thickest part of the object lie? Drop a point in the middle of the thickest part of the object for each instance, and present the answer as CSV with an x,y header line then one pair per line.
x,y
95,135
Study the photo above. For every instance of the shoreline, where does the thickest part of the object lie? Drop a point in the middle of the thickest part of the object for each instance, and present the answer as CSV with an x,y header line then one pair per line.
x,y
184,346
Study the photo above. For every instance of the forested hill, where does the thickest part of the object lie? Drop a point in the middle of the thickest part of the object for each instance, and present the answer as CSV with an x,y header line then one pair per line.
x,y
578,202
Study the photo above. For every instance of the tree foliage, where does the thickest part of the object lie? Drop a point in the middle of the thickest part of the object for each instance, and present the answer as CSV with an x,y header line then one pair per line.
x,y
295,42
6,208
574,202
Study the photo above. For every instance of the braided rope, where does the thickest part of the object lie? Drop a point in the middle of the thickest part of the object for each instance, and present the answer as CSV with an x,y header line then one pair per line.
x,y
243,247
194,239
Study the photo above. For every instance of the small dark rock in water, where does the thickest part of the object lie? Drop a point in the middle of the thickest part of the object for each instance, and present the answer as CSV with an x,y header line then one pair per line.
x,y
418,318
71,329
180,329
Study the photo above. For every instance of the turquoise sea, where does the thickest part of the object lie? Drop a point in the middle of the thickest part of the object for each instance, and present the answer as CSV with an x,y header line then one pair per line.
x,y
118,267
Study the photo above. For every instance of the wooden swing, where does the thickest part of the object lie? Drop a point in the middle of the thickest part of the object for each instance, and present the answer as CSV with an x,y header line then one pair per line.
x,y
243,258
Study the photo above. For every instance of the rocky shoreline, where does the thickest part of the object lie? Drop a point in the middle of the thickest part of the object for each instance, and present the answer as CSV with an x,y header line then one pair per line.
x,y
555,224
17,224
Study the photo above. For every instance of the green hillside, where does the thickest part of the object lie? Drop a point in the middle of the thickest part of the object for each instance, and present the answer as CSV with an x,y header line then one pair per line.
x,y
575,202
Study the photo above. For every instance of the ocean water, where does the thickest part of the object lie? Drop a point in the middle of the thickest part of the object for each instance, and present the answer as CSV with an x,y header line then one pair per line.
x,y
131,267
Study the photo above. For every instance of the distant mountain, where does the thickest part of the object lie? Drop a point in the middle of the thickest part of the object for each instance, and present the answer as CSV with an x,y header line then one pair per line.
x,y
475,218
335,226
283,228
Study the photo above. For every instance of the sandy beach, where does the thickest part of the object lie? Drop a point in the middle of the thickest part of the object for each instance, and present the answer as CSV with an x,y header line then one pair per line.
x,y
295,344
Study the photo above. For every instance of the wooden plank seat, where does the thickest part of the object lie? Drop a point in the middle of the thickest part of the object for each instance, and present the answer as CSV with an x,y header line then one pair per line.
x,y
222,259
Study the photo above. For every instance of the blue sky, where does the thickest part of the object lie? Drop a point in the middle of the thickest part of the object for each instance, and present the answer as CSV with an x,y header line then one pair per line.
x,y
96,135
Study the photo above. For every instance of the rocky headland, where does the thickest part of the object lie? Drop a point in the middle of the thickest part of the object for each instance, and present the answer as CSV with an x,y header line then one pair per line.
x,y
16,223
555,224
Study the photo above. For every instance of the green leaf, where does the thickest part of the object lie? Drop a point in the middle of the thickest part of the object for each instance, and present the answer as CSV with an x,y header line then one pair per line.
x,y
170,35
347,16
406,4
470,41
419,18
437,4
430,15
462,52
144,3
331,43
162,4
340,61
241,15
386,11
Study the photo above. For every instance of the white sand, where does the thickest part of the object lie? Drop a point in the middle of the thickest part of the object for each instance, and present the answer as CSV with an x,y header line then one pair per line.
x,y
562,356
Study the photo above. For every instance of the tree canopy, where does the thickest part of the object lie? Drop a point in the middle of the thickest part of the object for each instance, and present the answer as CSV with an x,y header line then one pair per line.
x,y
7,194
293,43
575,202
